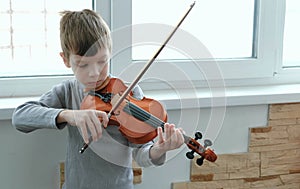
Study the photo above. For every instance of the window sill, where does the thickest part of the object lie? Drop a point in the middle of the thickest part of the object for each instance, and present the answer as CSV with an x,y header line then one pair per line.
x,y
186,99
234,96
8,105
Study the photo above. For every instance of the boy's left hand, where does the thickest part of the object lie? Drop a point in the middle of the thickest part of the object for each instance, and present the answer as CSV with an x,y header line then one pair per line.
x,y
170,139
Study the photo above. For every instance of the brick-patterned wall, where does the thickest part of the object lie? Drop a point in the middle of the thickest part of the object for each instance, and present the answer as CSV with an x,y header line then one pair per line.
x,y
273,159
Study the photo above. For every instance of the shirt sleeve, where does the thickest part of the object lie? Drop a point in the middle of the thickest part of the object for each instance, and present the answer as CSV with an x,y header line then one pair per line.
x,y
141,154
39,114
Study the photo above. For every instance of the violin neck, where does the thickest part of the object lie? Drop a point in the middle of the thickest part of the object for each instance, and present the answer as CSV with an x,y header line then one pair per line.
x,y
148,118
186,138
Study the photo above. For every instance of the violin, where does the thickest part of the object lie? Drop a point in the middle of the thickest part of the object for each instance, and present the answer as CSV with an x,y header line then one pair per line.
x,y
138,120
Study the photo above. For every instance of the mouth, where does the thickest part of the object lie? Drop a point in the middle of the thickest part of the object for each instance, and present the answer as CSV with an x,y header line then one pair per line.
x,y
91,84
94,84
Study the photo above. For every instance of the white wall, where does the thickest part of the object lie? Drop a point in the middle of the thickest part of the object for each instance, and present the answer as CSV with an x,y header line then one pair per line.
x,y
30,161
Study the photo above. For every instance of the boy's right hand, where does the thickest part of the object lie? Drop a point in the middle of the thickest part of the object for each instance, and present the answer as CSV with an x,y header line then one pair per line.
x,y
87,120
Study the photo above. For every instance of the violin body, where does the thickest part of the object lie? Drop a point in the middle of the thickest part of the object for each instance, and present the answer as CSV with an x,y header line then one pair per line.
x,y
136,125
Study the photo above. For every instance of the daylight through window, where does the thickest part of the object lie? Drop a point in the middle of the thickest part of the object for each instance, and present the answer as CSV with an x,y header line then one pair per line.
x,y
29,33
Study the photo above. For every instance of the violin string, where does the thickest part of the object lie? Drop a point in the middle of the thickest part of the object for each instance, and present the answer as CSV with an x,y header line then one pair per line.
x,y
144,115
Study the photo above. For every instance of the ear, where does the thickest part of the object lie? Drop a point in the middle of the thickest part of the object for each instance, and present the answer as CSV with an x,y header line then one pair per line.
x,y
66,60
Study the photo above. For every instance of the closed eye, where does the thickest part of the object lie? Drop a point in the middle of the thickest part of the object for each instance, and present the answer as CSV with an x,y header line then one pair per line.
x,y
102,62
82,65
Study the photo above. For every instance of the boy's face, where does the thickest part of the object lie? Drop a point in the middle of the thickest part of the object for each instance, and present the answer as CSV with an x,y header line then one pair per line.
x,y
91,71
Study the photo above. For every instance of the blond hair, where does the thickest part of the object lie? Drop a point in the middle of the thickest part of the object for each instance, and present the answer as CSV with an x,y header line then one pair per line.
x,y
83,33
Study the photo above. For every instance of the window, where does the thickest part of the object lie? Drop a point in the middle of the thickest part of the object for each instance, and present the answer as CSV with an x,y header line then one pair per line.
x,y
226,32
246,48
30,36
238,43
291,55
30,46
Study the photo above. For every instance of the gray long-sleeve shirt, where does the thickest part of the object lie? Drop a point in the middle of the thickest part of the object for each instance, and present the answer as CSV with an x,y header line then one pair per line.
x,y
107,163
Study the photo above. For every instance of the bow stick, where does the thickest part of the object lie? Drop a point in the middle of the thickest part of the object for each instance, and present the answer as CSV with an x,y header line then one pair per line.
x,y
143,71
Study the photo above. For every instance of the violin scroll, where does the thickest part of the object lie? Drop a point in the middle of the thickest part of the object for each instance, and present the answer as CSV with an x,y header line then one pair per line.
x,y
203,151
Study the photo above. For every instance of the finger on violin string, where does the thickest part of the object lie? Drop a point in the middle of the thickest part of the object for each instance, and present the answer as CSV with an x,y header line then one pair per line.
x,y
166,129
170,129
160,135
174,134
181,130
180,137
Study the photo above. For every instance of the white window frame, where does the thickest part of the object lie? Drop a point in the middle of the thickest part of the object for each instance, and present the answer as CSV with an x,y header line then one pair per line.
x,y
264,69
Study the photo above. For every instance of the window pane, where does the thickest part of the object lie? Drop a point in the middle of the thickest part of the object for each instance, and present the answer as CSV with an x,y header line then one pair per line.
x,y
30,36
224,27
291,55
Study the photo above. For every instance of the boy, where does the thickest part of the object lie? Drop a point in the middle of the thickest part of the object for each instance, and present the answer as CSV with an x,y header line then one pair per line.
x,y
86,45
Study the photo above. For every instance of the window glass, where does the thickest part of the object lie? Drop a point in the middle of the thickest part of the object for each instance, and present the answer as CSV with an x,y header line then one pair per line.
x,y
224,27
291,50
29,32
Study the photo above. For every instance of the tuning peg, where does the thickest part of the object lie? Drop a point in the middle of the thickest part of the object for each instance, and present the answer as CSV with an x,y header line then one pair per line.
x,y
190,154
200,161
198,135
207,143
